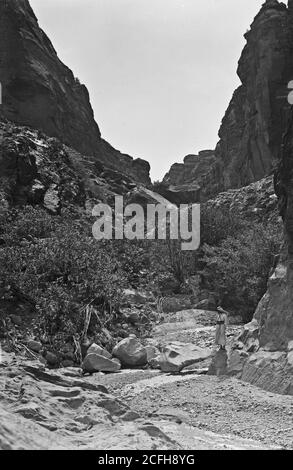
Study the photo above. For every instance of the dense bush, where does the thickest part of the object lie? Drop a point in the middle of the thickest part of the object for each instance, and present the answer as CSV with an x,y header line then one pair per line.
x,y
57,263
61,267
217,224
238,268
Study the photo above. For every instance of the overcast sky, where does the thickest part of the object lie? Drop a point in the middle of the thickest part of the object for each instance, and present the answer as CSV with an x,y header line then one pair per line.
x,y
160,73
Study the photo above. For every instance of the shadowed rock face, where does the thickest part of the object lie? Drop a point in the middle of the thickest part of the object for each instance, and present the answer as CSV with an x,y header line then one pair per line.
x,y
189,179
41,92
264,356
253,125
275,312
252,129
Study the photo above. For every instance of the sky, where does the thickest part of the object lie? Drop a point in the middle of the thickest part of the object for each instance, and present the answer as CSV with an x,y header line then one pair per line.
x,y
160,73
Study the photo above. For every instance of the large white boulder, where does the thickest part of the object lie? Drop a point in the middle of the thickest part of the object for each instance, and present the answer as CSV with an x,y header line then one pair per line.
x,y
176,356
131,352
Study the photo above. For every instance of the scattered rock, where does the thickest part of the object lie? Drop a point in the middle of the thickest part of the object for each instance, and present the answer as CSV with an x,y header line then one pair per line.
x,y
218,365
130,416
152,352
131,352
67,363
236,362
94,348
52,359
250,331
96,363
177,356
35,346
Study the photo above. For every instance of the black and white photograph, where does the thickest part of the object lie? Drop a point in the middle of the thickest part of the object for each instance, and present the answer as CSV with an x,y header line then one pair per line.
x,y
146,230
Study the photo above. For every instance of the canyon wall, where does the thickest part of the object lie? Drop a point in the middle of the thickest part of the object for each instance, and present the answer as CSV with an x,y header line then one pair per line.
x,y
39,91
253,125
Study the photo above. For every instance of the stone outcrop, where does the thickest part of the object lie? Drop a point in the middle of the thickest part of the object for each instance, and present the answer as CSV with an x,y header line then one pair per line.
x,y
185,182
253,125
39,91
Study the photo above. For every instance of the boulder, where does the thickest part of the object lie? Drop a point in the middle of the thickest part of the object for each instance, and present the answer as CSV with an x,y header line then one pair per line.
x,y
94,362
236,362
177,356
131,352
218,365
250,332
153,356
290,359
51,359
35,346
270,371
67,363
152,352
131,315
96,349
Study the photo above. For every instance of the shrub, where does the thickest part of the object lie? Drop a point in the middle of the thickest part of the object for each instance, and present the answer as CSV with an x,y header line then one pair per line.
x,y
218,224
60,273
237,270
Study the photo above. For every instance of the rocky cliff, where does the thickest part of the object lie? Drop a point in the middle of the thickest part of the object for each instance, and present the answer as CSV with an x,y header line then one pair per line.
x,y
39,91
196,173
263,354
253,125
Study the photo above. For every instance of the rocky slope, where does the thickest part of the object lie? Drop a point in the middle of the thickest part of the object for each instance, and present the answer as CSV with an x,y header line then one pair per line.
x,y
39,91
256,201
39,170
253,125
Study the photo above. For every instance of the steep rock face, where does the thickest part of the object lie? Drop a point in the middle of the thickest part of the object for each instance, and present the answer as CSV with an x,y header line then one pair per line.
x,y
252,129
270,340
275,312
193,175
38,170
40,91
253,125
256,201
